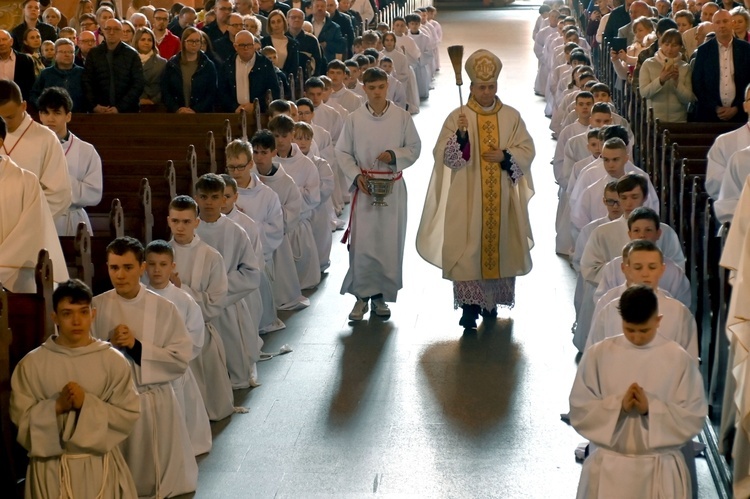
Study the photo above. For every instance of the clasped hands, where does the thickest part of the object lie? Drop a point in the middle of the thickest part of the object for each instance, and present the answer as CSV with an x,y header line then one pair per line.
x,y
635,399
122,337
71,398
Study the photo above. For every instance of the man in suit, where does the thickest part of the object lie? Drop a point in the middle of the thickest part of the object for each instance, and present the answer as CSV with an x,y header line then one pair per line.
x,y
309,48
618,18
16,66
328,33
721,73
637,9
261,77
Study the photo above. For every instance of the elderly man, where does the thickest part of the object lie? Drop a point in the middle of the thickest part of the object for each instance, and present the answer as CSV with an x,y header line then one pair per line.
x,y
310,54
16,66
246,76
482,166
328,33
721,73
217,28
185,18
31,15
637,9
139,21
86,41
344,22
113,78
694,36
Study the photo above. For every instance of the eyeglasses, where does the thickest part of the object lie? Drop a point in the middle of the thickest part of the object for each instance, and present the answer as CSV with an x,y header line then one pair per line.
x,y
112,29
236,168
612,202
236,25
89,23
245,45
193,42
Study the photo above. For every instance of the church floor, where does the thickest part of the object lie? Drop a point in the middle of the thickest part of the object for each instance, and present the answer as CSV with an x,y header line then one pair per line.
x,y
411,407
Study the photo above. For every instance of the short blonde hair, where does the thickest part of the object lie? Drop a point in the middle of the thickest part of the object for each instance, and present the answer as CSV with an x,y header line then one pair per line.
x,y
238,147
303,129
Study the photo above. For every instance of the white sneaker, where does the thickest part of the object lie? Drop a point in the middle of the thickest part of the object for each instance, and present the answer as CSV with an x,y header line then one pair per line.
x,y
380,308
359,310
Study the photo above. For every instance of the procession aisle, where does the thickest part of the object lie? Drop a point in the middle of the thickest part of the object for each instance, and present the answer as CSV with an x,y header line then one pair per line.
x,y
411,406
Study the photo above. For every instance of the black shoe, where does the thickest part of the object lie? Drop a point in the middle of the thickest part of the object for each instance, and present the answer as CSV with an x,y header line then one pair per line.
x,y
470,316
489,314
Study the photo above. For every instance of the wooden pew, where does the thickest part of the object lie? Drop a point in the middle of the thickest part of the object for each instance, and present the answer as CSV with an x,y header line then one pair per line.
x,y
77,251
115,228
689,169
670,172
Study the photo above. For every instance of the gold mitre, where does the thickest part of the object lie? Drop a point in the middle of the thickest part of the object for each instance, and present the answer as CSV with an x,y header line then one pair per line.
x,y
483,66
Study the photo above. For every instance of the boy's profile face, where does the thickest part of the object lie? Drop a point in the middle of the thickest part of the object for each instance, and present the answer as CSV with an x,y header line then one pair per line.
x,y
614,161
644,229
641,334
283,141
631,200
73,323
595,146
230,197
272,56
239,168
159,267
56,120
315,95
182,223
263,159
209,204
644,267
125,272
302,142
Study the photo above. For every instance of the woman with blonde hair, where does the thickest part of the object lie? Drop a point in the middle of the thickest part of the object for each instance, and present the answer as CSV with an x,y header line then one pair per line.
x,y
287,48
84,7
144,42
665,79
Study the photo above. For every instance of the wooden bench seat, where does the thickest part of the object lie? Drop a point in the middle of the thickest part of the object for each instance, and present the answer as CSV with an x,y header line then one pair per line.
x,y
77,252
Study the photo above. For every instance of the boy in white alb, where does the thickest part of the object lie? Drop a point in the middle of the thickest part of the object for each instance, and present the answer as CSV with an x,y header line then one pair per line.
x,y
305,175
639,397
200,272
74,401
378,140
320,220
148,329
159,268
238,329
84,163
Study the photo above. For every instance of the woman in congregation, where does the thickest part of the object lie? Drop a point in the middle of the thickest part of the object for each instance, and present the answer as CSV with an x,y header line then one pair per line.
x,y
128,33
153,65
665,79
740,23
189,83
32,45
84,7
287,48
625,61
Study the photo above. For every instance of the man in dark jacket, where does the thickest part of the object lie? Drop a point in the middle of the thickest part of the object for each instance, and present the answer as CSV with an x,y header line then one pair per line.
x,y
217,28
344,22
63,73
618,18
31,13
260,74
719,87
332,42
113,78
16,66
267,6
309,49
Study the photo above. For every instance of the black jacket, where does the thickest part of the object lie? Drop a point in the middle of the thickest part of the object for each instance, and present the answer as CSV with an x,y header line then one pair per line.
x,y
706,79
224,49
345,23
23,74
262,79
618,18
334,40
292,53
126,70
276,6
203,85
47,32
309,50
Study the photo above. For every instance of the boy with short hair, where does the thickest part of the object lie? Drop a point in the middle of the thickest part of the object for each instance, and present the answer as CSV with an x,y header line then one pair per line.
x,y
305,175
148,329
379,140
84,164
159,269
423,67
200,272
644,264
396,89
239,329
644,223
337,72
325,116
74,395
320,219
639,397
270,52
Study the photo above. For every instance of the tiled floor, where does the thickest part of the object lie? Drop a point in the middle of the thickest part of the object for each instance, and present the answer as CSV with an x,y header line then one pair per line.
x,y
411,407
